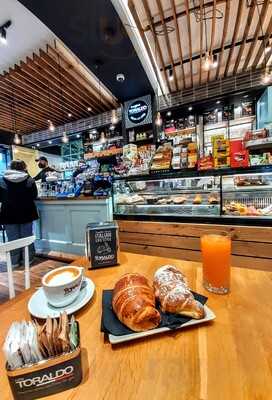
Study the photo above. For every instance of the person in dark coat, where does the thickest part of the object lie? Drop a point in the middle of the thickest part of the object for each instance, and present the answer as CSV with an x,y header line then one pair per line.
x,y
18,192
44,169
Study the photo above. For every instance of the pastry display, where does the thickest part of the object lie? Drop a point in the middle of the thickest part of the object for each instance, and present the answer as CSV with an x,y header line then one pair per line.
x,y
179,199
174,295
133,302
162,158
236,208
164,200
213,198
197,199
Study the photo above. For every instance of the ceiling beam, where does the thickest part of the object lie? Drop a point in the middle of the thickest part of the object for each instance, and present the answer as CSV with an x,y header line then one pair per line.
x,y
169,50
263,45
190,40
201,42
234,37
250,15
173,6
224,34
212,34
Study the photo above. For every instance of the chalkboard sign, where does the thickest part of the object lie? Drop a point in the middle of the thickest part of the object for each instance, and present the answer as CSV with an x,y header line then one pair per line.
x,y
102,244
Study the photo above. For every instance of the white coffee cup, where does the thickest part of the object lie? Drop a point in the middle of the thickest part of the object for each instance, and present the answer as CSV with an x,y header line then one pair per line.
x,y
62,285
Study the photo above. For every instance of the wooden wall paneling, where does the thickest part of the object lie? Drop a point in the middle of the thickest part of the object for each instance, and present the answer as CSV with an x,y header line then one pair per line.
x,y
262,45
177,31
86,86
69,80
234,36
250,15
225,30
189,40
169,49
157,49
256,35
212,34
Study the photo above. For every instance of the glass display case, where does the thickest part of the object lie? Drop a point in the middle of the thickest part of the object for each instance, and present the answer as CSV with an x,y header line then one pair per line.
x,y
185,196
247,195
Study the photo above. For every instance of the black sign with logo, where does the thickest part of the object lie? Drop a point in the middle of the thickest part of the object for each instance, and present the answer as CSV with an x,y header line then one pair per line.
x,y
137,111
102,244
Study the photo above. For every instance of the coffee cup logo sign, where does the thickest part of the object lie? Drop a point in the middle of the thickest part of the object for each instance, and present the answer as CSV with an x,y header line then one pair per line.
x,y
137,111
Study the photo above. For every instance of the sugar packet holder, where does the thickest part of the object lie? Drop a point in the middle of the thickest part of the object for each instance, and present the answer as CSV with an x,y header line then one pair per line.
x,y
47,377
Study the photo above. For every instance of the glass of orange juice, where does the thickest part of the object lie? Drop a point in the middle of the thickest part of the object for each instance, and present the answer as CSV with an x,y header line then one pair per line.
x,y
216,253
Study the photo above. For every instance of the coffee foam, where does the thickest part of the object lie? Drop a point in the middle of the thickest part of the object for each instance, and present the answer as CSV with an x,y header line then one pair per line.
x,y
61,277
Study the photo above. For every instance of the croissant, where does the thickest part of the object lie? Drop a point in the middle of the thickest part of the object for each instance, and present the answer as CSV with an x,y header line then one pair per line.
x,y
133,302
174,295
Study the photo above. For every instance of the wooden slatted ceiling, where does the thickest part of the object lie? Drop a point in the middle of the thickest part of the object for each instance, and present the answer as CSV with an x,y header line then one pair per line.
x,y
176,30
48,86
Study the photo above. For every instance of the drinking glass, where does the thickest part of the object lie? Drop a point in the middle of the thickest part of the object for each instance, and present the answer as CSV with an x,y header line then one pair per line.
x,y
216,256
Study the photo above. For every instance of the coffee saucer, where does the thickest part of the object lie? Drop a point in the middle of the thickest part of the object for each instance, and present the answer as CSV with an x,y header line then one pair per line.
x,y
39,307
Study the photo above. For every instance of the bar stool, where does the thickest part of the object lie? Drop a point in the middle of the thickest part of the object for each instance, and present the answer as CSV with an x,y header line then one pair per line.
x,y
6,248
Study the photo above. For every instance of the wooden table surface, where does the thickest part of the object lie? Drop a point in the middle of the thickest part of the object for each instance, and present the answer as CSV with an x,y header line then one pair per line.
x,y
229,358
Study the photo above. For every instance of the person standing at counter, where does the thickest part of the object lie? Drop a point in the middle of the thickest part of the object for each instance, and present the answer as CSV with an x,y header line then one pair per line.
x,y
18,192
43,165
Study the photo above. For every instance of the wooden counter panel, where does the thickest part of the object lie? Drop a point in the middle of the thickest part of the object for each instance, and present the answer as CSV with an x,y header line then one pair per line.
x,y
251,246
247,233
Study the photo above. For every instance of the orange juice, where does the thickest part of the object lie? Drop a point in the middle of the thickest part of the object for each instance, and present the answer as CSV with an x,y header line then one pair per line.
x,y
216,252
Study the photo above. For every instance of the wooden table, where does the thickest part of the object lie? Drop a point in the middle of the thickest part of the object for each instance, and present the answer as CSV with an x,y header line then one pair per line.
x,y
228,359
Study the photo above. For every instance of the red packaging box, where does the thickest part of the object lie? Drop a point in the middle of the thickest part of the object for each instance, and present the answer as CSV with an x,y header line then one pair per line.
x,y
239,156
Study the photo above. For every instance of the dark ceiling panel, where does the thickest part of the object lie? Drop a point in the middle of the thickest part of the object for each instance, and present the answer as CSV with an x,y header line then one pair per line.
x,y
94,32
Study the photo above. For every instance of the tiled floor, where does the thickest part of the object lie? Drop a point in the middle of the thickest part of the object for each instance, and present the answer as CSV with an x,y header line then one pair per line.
x,y
38,269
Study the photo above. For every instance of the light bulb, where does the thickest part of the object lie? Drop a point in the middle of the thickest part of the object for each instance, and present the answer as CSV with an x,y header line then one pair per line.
x,y
78,135
89,109
65,138
17,139
51,126
267,77
103,139
69,115
158,120
267,48
49,141
215,61
114,118
171,76
3,36
207,62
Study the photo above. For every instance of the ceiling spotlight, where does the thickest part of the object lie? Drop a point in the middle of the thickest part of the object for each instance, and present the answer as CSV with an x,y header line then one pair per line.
x,y
38,144
17,139
215,61
158,120
190,108
94,131
218,102
114,118
170,75
49,141
69,115
78,135
168,113
89,109
112,127
3,32
207,62
245,96
65,138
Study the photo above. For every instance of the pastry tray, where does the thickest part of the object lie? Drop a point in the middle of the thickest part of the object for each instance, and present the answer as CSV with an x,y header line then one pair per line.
x,y
209,316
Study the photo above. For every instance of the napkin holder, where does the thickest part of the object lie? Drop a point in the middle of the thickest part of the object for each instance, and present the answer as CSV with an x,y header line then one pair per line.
x,y
47,377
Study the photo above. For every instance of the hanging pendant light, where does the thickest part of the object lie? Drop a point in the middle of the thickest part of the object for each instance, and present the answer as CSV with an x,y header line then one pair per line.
x,y
215,61
114,118
158,120
102,138
267,76
207,62
65,138
51,126
17,139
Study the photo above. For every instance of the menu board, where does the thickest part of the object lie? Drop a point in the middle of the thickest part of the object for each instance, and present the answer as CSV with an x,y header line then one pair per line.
x,y
102,244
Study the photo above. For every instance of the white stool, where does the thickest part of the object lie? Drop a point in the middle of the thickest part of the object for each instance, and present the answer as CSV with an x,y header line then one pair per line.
x,y
6,248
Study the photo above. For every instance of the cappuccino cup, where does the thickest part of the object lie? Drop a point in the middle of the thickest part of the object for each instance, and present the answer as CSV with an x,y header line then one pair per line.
x,y
62,285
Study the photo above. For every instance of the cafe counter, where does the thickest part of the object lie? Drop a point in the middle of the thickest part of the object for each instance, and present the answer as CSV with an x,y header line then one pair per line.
x,y
62,223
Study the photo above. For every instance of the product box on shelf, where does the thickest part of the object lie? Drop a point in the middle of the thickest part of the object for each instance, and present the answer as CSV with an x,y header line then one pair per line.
x,y
46,377
205,163
239,156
